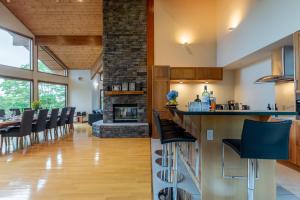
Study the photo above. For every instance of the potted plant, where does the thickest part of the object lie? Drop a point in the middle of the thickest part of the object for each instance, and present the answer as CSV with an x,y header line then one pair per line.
x,y
172,96
36,105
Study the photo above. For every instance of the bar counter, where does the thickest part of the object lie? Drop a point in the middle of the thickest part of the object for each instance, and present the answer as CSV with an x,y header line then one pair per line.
x,y
203,159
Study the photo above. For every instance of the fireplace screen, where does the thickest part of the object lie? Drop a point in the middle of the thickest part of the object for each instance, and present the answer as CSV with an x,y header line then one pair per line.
x,y
125,112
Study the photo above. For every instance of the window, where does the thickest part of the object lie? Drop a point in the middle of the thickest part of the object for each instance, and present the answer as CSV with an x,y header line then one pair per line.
x,y
15,50
52,95
15,93
48,64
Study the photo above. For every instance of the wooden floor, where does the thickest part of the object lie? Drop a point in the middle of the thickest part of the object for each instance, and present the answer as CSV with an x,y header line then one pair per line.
x,y
79,167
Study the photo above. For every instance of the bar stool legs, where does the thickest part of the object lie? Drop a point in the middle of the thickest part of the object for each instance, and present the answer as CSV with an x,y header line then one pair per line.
x,y
174,193
167,163
252,173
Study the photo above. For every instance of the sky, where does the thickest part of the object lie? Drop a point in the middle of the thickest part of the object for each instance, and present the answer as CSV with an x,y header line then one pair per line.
x,y
10,55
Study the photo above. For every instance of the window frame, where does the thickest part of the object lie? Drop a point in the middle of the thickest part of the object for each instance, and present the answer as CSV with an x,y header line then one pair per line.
x,y
37,65
23,79
31,49
54,83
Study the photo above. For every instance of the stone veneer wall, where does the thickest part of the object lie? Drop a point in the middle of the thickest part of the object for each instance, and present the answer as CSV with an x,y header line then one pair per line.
x,y
125,52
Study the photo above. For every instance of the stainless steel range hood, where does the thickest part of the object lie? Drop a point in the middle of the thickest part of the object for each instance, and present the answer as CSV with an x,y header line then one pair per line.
x,y
283,66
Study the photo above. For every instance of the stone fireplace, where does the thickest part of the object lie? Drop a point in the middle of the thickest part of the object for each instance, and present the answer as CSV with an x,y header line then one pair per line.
x,y
124,60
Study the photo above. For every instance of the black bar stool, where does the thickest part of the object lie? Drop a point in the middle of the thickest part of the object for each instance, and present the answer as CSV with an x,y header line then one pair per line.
x,y
173,137
260,140
167,126
159,152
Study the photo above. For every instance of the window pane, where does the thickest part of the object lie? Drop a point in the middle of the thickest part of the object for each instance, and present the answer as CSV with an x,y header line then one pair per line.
x,y
52,95
15,94
15,50
47,64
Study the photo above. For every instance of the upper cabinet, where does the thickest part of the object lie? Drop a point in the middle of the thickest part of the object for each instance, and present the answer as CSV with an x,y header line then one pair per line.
x,y
183,73
200,74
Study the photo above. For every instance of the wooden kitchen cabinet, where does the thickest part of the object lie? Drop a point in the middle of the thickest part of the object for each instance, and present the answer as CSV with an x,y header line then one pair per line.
x,y
196,73
160,87
183,73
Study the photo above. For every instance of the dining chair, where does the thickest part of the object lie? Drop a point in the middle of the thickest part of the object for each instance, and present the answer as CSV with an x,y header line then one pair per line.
x,y
19,132
40,124
2,112
62,120
52,123
16,111
70,119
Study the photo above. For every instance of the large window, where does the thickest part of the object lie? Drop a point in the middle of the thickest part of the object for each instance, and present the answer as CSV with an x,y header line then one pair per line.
x,y
15,50
15,93
52,95
48,63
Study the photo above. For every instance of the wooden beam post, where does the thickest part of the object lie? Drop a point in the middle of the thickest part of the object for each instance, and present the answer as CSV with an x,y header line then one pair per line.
x,y
67,40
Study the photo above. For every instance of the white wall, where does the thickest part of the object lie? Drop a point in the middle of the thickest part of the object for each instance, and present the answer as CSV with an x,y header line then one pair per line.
x,y
223,90
258,24
97,85
258,96
80,91
191,20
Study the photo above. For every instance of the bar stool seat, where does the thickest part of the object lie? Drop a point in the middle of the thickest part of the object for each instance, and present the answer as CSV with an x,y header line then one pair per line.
x,y
260,140
235,144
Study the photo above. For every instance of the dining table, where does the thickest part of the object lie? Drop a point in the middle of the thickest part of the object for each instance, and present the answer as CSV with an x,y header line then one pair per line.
x,y
8,121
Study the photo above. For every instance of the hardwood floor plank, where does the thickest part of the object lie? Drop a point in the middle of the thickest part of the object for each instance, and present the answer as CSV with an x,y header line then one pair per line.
x,y
79,166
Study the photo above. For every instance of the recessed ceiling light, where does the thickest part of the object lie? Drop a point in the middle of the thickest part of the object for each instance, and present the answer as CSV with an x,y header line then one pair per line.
x,y
80,0
8,1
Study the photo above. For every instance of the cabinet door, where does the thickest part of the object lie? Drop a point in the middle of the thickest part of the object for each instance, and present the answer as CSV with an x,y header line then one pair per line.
x,y
298,156
160,88
209,73
183,73
161,73
297,135
292,144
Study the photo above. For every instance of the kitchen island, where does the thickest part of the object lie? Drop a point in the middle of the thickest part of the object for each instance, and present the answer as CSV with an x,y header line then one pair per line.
x,y
203,159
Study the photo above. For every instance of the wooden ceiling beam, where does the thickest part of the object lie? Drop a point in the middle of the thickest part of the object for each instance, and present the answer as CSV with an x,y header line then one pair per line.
x,y
57,59
68,40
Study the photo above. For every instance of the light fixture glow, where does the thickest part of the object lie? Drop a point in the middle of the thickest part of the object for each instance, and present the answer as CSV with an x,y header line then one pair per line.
x,y
180,82
185,39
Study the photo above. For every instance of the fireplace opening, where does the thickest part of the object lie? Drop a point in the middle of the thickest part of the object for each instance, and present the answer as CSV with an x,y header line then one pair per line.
x,y
125,113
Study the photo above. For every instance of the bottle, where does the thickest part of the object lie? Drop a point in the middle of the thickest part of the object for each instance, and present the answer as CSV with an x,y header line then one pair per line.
x,y
205,100
269,107
205,93
213,101
197,99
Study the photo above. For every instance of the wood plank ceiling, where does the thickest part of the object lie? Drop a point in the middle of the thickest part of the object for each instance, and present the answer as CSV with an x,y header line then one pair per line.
x,y
63,18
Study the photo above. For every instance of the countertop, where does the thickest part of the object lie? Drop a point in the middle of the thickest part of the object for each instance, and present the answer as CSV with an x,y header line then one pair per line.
x,y
184,111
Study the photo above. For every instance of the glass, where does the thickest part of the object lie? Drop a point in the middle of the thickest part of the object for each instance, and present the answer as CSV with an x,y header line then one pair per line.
x,y
12,45
15,93
47,64
52,95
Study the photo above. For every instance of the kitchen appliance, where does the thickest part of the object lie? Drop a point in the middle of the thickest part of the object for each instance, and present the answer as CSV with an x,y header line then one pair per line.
x,y
283,66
